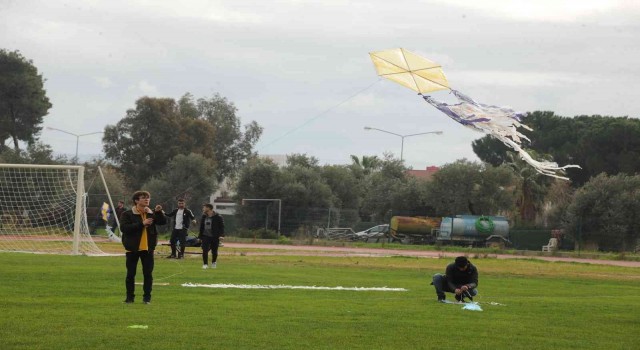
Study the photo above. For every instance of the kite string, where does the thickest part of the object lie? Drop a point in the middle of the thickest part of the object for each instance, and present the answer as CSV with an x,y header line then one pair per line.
x,y
320,114
165,201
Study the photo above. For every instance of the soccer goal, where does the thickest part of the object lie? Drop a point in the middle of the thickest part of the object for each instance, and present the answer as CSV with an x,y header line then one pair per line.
x,y
43,210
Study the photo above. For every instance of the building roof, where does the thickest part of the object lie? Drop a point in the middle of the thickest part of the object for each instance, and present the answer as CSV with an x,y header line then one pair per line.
x,y
424,174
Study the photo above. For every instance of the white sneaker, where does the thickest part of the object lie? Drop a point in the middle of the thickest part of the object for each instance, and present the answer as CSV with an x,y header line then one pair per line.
x,y
213,265
205,266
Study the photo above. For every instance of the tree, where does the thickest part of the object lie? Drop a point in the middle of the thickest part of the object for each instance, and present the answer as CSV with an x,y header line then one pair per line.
x,y
531,187
36,153
410,199
306,197
347,194
95,187
188,109
607,145
302,160
259,178
346,188
231,146
158,129
383,189
186,176
558,199
605,213
143,142
490,150
23,99
367,165
465,187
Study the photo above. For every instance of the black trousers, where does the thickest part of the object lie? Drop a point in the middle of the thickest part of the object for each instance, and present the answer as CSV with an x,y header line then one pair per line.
x,y
210,244
146,257
178,235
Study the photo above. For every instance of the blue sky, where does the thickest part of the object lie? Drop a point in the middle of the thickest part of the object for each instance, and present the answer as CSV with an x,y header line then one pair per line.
x,y
301,68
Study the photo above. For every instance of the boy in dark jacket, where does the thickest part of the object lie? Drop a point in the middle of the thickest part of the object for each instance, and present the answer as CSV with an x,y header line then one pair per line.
x,y
139,238
461,278
211,233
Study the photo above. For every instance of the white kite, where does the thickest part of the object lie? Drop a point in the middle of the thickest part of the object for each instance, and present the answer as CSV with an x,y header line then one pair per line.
x,y
423,76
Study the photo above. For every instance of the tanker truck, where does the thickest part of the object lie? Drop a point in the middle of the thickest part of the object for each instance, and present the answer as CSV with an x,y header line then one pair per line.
x,y
474,230
413,230
467,230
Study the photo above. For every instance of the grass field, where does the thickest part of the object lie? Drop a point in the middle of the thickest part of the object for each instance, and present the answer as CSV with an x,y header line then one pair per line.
x,y
75,302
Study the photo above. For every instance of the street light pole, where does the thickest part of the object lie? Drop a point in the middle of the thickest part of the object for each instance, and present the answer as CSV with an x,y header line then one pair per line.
x,y
403,137
77,137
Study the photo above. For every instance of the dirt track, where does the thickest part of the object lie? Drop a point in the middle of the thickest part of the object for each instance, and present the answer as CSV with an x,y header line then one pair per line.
x,y
379,252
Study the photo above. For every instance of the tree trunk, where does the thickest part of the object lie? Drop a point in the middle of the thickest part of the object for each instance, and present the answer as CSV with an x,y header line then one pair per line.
x,y
13,133
15,143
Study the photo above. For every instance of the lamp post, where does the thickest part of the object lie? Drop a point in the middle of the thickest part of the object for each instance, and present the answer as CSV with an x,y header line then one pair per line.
x,y
403,136
77,137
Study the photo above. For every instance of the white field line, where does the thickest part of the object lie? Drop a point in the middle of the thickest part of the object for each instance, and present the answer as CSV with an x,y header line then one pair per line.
x,y
282,286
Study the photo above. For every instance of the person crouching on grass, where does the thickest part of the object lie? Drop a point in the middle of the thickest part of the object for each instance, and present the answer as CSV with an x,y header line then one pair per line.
x,y
139,238
211,233
461,278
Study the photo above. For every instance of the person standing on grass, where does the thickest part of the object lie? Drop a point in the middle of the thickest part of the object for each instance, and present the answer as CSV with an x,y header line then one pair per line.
x,y
139,238
183,218
118,214
120,209
211,234
461,278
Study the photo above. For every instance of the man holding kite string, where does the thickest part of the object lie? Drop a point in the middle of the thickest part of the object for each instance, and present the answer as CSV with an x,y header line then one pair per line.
x,y
461,278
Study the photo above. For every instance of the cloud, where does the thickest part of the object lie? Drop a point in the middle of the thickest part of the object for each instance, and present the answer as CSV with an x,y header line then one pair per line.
x,y
521,78
545,10
145,88
103,82
193,9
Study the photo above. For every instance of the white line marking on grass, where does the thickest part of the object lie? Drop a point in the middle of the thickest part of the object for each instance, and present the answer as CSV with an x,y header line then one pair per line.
x,y
282,286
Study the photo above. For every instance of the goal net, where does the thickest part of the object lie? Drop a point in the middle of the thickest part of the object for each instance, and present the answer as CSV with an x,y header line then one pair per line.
x,y
43,210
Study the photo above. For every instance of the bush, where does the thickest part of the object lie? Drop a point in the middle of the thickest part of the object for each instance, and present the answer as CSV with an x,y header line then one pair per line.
x,y
284,240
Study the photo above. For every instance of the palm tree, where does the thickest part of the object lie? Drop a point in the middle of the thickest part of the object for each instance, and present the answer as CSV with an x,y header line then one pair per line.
x,y
367,164
531,188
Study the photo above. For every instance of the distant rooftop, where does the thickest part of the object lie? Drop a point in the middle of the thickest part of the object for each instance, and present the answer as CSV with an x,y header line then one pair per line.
x,y
424,174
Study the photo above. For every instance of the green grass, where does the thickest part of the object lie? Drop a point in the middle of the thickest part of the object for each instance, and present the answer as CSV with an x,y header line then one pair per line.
x,y
475,251
74,302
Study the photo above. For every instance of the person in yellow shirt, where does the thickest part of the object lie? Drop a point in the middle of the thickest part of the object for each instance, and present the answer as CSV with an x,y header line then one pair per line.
x,y
139,238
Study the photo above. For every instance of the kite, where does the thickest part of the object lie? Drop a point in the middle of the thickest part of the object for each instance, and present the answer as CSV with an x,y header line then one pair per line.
x,y
424,76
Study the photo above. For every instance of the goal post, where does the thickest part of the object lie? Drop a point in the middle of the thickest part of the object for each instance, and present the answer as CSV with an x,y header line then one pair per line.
x,y
43,210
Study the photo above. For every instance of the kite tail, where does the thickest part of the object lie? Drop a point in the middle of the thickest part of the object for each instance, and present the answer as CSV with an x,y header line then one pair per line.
x,y
444,108
499,122
543,167
462,97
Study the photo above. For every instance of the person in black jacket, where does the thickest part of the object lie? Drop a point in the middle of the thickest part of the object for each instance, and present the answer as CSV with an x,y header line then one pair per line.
x,y
211,233
183,218
139,238
115,219
461,278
